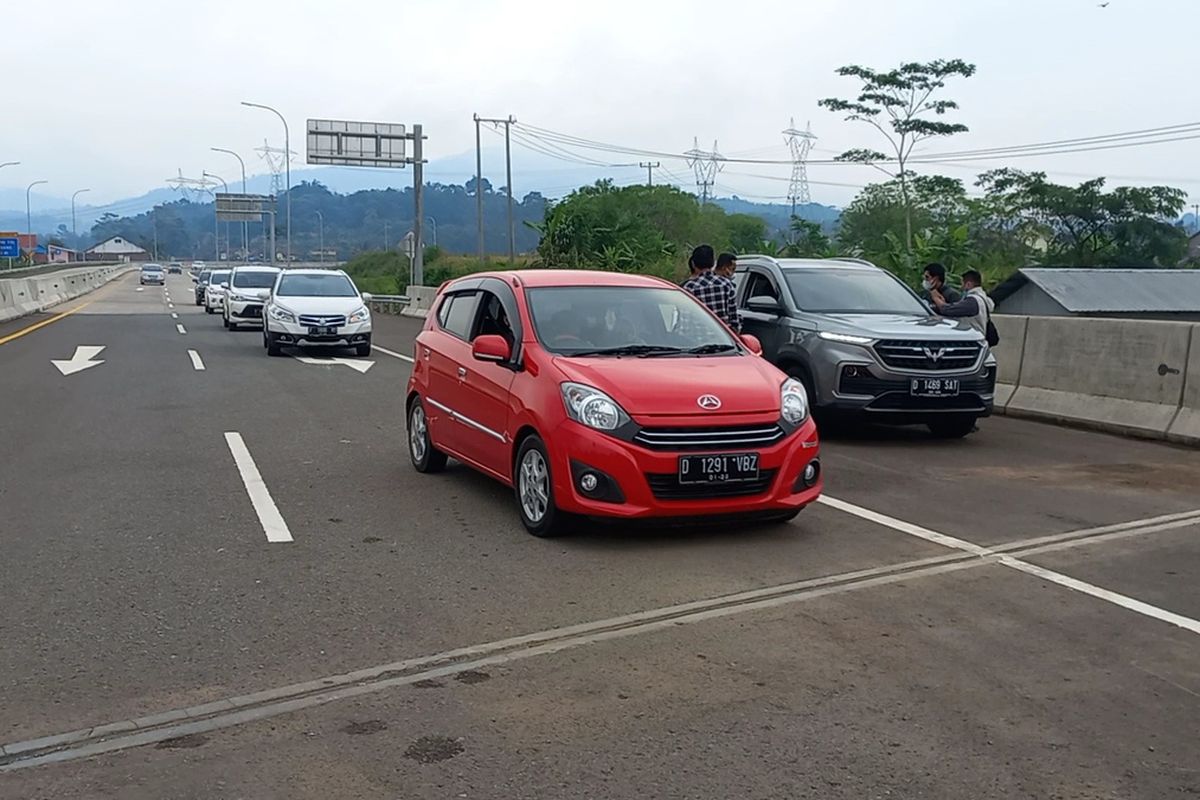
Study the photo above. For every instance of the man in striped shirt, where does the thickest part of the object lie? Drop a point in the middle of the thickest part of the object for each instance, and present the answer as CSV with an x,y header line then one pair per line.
x,y
713,290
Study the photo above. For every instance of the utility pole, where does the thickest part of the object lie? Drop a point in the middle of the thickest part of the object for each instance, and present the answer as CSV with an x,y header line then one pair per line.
x,y
74,229
321,234
387,240
29,216
800,144
512,230
245,225
649,166
706,164
417,272
1196,217
479,191
224,186
287,162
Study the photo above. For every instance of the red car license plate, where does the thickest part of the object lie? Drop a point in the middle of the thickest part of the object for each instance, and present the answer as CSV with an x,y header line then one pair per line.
x,y
724,468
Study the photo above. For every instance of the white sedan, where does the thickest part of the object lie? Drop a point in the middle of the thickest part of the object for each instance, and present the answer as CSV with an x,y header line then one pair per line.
x,y
316,307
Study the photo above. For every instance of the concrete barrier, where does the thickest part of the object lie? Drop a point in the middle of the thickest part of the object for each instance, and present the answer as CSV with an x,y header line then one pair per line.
x,y
422,298
1185,428
1009,354
21,296
1119,375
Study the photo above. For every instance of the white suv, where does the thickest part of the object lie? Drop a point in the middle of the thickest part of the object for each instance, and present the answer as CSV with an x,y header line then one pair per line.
x,y
214,292
248,290
316,307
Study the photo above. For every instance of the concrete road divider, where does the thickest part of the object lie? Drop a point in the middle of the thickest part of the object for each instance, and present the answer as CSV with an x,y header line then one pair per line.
x,y
1008,354
421,298
1127,376
21,296
1185,428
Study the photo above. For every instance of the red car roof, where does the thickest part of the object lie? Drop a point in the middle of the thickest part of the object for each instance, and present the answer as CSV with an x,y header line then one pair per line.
x,y
572,277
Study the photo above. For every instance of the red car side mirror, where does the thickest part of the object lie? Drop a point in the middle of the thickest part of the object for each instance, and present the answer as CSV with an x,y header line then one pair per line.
x,y
491,348
751,341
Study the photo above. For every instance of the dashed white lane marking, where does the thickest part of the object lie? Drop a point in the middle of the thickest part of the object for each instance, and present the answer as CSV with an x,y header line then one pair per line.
x,y
1058,578
391,353
174,315
179,327
197,363
268,513
170,305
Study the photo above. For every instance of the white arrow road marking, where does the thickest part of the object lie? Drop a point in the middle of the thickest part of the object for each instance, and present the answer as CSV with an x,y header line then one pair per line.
x,y
82,359
387,352
268,513
353,363
197,364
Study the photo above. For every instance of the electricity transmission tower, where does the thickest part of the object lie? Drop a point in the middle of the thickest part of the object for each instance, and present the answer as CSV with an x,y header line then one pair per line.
x,y
190,188
706,164
277,158
800,143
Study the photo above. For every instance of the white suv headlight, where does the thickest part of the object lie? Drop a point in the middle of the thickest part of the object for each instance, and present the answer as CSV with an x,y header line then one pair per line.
x,y
362,315
793,401
592,407
282,314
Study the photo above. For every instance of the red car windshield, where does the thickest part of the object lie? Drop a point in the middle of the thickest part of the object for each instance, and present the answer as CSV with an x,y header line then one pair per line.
x,y
621,320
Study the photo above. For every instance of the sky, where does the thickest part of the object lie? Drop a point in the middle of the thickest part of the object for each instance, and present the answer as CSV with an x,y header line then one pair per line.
x,y
118,101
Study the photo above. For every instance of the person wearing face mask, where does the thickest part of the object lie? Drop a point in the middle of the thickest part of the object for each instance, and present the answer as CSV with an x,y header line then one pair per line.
x,y
934,280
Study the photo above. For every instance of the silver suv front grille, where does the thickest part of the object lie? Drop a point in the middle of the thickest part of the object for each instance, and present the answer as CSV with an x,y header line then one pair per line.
x,y
928,356
316,320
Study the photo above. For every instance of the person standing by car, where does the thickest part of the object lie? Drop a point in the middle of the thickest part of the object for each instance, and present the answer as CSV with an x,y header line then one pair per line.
x,y
934,280
726,265
711,289
975,307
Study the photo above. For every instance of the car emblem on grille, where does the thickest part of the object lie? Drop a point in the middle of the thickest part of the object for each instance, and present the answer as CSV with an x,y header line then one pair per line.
x,y
709,402
934,355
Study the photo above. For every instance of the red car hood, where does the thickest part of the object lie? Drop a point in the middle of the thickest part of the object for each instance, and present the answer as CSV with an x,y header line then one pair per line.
x,y
673,386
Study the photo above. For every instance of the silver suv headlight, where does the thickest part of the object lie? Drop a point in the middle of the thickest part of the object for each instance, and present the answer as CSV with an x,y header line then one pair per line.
x,y
592,407
793,401
282,314
362,315
844,338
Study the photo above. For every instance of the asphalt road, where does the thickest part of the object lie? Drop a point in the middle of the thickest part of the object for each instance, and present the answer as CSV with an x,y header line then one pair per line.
x,y
958,620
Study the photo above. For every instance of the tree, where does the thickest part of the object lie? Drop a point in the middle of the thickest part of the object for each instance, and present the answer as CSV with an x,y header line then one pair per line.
x,y
1086,226
906,96
808,240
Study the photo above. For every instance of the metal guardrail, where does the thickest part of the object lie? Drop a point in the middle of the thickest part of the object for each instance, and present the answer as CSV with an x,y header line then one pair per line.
x,y
398,299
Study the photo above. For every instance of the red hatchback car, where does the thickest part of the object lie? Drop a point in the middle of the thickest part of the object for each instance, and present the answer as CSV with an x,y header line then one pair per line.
x,y
607,395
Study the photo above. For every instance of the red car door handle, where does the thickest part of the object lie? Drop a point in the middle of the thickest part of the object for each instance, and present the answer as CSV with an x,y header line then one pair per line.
x,y
462,372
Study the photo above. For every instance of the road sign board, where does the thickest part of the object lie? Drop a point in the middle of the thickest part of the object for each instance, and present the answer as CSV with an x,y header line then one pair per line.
x,y
243,207
10,247
356,144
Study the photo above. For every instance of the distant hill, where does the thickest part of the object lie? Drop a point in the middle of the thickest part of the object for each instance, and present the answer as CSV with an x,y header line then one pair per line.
x,y
778,216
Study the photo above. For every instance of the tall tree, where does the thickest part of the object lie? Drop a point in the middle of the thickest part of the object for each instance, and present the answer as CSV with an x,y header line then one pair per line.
x,y
905,96
1085,225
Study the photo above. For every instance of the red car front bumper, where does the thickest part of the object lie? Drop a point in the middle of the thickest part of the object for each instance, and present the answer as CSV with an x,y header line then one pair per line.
x,y
645,477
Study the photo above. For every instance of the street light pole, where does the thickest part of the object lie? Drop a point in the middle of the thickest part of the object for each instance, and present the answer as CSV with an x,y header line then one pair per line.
x,y
224,186
28,212
9,164
287,166
74,229
321,236
245,225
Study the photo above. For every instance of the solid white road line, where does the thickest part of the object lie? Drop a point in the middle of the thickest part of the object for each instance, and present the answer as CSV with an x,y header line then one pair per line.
x,y
391,353
197,364
179,327
1058,578
268,514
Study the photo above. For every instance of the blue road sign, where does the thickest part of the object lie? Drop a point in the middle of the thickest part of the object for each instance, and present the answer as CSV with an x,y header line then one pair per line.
x,y
10,247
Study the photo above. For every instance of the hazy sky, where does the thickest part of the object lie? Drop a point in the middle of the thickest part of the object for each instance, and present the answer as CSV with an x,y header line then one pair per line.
x,y
118,96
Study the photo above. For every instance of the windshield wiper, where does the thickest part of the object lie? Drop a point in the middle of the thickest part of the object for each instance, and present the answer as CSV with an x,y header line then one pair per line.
x,y
712,347
630,350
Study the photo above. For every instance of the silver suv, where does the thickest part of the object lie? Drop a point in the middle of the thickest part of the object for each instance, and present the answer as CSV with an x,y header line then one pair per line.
x,y
864,343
